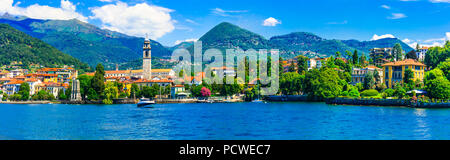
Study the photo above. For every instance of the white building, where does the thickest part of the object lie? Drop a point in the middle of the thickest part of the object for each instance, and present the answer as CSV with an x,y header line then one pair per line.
x,y
316,63
421,53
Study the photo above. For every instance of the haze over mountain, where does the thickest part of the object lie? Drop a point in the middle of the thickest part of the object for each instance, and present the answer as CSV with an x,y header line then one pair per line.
x,y
20,47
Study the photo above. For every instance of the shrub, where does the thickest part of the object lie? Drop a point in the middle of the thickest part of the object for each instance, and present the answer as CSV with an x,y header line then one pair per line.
x,y
389,92
369,93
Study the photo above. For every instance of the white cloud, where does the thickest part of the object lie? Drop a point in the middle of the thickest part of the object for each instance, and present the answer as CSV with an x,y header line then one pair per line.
x,y
66,11
376,37
186,40
191,21
428,42
136,20
385,6
440,1
106,0
271,22
226,13
409,42
397,16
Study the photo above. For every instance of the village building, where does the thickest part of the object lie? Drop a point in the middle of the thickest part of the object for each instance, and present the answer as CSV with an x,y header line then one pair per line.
x,y
421,52
358,74
395,71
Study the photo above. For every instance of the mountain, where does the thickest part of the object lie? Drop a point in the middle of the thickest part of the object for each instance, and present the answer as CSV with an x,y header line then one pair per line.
x,y
303,41
227,35
84,41
381,43
18,46
182,45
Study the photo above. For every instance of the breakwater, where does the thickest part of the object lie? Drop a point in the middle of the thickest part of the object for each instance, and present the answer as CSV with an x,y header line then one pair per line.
x,y
387,102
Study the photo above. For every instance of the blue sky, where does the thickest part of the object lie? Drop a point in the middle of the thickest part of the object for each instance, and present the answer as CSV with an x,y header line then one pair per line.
x,y
170,21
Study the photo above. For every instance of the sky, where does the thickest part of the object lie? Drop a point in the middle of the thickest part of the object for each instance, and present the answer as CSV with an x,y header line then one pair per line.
x,y
170,22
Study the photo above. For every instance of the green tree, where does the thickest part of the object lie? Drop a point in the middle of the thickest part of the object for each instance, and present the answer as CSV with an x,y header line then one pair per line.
x,y
134,90
436,85
399,91
397,52
338,54
408,76
355,57
323,83
292,67
98,81
92,94
369,81
5,97
85,85
24,91
62,95
302,64
411,55
111,92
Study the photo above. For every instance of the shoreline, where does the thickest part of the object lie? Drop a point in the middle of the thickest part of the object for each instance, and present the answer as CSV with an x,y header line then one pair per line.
x,y
27,102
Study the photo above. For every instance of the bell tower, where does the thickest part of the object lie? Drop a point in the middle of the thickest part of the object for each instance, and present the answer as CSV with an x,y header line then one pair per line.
x,y
147,59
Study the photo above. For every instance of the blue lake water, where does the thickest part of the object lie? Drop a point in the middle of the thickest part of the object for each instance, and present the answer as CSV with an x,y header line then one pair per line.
x,y
271,121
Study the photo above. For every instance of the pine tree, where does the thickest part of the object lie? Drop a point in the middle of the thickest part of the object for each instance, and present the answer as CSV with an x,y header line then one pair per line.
x,y
355,57
98,82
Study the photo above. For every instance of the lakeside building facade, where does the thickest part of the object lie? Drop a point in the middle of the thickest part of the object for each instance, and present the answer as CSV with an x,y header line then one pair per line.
x,y
358,74
394,71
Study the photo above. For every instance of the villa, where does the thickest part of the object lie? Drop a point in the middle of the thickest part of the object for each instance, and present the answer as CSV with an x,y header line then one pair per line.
x,y
394,71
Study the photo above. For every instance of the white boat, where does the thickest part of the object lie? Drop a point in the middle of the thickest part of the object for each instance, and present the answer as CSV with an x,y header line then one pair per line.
x,y
258,101
143,102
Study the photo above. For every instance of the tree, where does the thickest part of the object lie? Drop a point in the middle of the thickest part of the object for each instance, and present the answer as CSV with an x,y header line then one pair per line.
x,y
399,91
338,54
436,85
134,91
98,81
85,85
348,54
62,95
5,97
355,57
92,94
323,83
445,68
369,81
292,67
111,92
24,91
290,83
411,55
362,60
302,64
408,76
397,52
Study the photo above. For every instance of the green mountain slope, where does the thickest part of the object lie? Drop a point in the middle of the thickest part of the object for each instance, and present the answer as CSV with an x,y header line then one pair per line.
x,y
86,42
381,43
18,46
227,35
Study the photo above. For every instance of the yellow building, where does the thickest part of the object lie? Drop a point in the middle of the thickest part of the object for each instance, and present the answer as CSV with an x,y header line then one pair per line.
x,y
394,71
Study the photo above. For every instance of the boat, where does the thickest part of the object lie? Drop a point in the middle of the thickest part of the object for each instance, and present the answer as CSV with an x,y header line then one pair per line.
x,y
258,101
145,102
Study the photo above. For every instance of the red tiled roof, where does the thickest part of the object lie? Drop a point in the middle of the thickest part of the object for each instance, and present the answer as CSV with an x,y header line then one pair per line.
x,y
404,63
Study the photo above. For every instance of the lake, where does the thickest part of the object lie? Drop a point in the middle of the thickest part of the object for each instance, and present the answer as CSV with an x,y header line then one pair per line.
x,y
221,121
